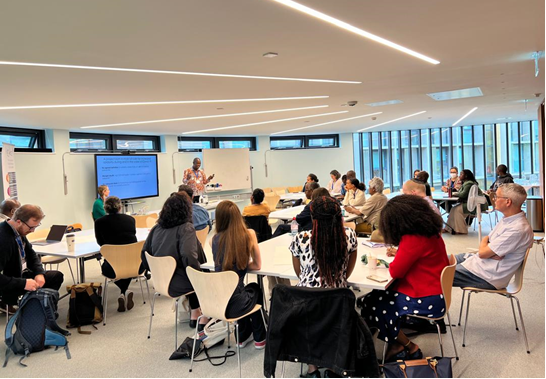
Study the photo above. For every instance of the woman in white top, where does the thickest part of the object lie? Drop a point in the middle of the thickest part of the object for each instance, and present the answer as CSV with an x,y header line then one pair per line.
x,y
334,185
355,195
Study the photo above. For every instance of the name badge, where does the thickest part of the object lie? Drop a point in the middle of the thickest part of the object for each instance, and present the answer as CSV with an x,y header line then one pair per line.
x,y
198,181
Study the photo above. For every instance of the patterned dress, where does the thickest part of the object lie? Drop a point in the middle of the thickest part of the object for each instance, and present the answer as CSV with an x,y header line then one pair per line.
x,y
309,272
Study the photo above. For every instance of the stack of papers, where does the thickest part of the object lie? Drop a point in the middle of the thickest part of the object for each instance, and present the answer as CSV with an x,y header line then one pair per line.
x,y
373,244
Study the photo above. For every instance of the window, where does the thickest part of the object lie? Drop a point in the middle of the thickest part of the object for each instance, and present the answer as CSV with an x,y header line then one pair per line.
x,y
406,156
84,142
425,152
436,174
367,158
356,152
142,143
200,143
489,155
446,153
502,145
304,142
525,146
194,144
88,141
415,151
513,149
468,155
386,167
376,171
457,151
479,163
396,164
535,149
24,139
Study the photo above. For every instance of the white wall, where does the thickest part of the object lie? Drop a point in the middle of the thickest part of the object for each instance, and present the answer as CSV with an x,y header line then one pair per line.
x,y
40,175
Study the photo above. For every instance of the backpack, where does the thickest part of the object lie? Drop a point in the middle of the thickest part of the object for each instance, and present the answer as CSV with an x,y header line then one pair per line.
x,y
85,306
36,324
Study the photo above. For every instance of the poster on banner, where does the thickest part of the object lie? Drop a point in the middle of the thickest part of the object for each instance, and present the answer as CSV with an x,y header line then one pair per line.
x,y
9,179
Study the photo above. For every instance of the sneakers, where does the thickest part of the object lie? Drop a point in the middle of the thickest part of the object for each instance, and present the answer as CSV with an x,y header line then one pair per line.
x,y
258,345
244,343
121,303
129,297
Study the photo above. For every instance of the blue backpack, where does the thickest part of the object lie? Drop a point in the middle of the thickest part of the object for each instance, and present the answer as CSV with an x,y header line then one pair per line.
x,y
36,325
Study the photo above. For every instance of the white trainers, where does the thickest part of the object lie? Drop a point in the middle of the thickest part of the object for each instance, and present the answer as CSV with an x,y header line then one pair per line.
x,y
244,343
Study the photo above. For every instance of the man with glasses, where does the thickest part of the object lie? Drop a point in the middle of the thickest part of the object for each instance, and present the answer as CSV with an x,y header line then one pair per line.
x,y
20,267
503,250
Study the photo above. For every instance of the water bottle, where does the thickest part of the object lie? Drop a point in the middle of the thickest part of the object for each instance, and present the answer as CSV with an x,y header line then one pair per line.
x,y
294,227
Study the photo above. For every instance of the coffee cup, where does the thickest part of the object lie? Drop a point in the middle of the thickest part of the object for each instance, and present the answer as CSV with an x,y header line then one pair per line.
x,y
372,262
71,242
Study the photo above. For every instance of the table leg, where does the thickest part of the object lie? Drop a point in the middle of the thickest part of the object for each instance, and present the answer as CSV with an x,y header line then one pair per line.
x,y
262,287
81,263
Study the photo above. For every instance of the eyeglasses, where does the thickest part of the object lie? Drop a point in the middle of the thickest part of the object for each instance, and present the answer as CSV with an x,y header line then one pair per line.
x,y
31,227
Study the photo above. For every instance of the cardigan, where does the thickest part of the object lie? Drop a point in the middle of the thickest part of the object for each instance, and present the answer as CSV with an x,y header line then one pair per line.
x,y
418,265
115,229
463,193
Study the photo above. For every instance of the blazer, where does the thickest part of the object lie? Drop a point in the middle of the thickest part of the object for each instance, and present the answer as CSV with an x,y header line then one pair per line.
x,y
181,243
463,193
373,207
115,229
354,198
11,268
304,218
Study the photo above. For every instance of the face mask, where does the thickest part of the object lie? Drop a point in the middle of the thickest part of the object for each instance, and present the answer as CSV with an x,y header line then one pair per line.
x,y
453,175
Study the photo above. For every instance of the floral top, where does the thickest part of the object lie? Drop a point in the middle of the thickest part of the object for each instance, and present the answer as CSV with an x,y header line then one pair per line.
x,y
309,271
197,180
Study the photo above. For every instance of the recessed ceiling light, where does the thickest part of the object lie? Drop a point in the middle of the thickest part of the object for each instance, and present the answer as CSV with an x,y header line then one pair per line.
x,y
264,122
8,63
465,116
202,117
270,55
456,94
162,102
353,29
326,123
381,103
388,122
219,109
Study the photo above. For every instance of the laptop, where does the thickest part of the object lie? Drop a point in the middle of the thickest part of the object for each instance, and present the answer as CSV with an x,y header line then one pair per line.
x,y
55,235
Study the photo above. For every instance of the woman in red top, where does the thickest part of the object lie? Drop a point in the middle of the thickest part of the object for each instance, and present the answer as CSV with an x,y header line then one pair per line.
x,y
409,222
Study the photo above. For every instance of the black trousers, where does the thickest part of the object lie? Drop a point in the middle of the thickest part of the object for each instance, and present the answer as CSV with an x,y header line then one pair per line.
x,y
282,229
254,323
53,280
123,284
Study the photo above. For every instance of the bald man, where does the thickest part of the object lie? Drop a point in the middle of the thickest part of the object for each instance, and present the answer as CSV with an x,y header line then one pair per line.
x,y
8,208
417,188
196,179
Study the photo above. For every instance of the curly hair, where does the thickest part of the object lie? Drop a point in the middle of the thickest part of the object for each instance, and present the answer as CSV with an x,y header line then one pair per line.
x,y
408,214
112,204
176,211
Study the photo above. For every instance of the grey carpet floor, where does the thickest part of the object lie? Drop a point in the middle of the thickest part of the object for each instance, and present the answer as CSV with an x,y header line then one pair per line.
x,y
120,349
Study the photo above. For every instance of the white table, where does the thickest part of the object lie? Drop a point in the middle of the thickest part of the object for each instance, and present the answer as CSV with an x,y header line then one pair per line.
x,y
86,246
288,214
293,196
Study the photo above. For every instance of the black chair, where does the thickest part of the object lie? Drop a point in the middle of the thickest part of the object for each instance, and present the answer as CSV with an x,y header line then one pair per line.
x,y
261,226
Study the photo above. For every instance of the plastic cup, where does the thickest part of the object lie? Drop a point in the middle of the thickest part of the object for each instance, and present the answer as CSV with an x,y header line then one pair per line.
x,y
372,263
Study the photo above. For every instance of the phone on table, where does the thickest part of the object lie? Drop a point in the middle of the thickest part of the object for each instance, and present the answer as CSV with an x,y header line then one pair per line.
x,y
377,278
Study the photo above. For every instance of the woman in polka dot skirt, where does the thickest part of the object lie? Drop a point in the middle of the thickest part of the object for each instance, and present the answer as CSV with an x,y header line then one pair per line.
x,y
409,222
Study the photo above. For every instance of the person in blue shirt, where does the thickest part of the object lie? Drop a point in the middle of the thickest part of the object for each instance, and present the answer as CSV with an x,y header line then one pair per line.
x,y
201,217
350,175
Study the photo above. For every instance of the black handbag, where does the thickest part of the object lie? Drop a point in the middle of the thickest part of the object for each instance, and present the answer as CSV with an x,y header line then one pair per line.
x,y
437,367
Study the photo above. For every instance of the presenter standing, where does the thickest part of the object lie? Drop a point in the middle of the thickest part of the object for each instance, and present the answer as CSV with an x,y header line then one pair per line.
x,y
196,179
98,206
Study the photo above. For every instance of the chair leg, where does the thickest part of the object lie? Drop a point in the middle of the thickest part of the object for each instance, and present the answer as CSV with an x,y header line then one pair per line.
x,y
176,324
151,316
514,312
238,352
461,310
439,338
71,272
282,370
523,326
466,318
384,353
452,338
228,337
105,301
141,290
194,340
148,289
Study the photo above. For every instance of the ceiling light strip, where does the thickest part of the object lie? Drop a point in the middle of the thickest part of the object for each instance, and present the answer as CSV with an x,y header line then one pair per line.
x,y
388,122
353,29
326,123
202,117
264,122
50,65
465,116
163,102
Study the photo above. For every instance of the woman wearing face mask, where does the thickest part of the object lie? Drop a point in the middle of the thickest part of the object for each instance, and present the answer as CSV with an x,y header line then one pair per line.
x,y
453,182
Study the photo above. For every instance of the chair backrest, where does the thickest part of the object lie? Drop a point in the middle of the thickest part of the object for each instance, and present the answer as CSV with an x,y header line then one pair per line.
x,y
351,225
294,189
448,273
124,259
517,283
202,235
386,191
272,199
267,190
141,219
213,289
280,192
279,189
150,222
162,269
260,225
38,234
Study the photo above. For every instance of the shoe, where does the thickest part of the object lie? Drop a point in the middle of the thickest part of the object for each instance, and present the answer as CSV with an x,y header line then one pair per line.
x,y
418,354
130,302
193,324
11,308
259,345
121,303
148,275
314,374
401,356
246,342
201,327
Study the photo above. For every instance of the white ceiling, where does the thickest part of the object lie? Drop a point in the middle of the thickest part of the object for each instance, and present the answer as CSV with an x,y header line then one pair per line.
x,y
486,44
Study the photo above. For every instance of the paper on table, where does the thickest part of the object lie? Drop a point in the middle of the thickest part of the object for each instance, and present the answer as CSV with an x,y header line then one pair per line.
x,y
373,244
282,256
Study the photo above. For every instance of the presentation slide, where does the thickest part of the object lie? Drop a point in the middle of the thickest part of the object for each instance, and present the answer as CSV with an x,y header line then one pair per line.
x,y
128,176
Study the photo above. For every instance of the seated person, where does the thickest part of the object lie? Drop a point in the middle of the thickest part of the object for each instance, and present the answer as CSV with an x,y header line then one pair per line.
x,y
415,173
116,228
453,182
257,206
417,188
98,206
200,216
174,235
355,195
457,217
423,176
324,257
304,217
503,250
8,208
349,175
372,207
235,248
21,269
409,222
334,185
310,178
503,177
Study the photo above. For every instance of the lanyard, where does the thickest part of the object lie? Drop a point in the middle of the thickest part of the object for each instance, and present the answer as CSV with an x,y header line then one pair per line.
x,y
21,247
196,173
354,194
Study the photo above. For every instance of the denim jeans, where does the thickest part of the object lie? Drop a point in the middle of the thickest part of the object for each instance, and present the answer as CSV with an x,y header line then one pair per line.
x,y
464,278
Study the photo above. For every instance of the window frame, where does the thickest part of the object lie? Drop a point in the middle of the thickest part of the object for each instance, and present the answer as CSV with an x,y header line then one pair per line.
x,y
37,136
111,142
305,141
215,142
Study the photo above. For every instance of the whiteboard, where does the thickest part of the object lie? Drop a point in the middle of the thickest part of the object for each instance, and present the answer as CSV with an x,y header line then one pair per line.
x,y
231,167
